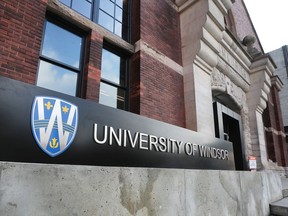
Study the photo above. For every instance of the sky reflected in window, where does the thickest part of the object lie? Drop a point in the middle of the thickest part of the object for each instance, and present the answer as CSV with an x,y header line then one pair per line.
x,y
110,14
119,3
83,7
56,78
110,67
112,96
107,6
119,14
106,21
62,45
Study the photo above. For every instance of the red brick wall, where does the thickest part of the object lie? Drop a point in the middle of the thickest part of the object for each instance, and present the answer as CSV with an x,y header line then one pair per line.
x,y
242,22
275,142
21,26
156,90
162,96
160,28
92,73
135,21
135,88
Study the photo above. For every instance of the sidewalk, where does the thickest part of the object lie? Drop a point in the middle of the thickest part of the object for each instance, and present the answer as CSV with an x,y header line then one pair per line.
x,y
280,207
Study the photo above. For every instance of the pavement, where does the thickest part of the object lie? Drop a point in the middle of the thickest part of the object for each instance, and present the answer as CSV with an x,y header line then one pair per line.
x,y
280,207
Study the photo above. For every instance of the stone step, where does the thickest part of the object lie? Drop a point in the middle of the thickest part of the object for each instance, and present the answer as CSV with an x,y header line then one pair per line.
x,y
279,208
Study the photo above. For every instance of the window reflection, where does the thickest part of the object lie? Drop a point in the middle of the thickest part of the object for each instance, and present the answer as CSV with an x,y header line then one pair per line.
x,y
118,28
106,21
113,75
112,96
107,6
110,68
119,14
61,45
119,3
60,58
83,7
110,14
56,78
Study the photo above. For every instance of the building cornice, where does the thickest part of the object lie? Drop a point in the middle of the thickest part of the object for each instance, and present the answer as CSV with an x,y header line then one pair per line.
x,y
276,81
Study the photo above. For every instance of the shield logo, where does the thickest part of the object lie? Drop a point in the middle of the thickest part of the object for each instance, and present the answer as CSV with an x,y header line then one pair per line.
x,y
54,124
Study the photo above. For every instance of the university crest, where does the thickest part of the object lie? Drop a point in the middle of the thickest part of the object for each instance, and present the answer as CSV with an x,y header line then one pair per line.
x,y
54,124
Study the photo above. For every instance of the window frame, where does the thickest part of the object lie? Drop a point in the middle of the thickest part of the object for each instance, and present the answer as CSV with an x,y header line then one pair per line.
x,y
286,133
125,56
71,28
94,16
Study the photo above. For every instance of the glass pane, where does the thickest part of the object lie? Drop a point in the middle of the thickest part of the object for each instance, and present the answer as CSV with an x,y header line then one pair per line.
x,y
118,28
112,96
62,45
83,7
56,78
106,21
119,14
107,6
119,3
66,2
110,68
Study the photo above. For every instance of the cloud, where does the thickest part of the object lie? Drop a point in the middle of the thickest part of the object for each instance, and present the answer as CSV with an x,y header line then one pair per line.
x,y
56,78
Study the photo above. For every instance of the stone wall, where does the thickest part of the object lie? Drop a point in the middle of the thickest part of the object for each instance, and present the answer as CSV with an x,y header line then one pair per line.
x,y
38,189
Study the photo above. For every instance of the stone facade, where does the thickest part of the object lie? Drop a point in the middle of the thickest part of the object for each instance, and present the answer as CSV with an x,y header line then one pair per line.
x,y
220,65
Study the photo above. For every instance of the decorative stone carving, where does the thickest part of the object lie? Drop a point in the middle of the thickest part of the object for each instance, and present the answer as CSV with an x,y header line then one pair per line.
x,y
249,41
221,83
218,80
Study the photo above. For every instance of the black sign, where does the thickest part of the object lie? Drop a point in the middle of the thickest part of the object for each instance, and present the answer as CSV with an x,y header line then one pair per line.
x,y
43,126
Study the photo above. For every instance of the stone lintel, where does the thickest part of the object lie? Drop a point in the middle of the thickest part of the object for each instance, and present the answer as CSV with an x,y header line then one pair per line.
x,y
263,63
141,45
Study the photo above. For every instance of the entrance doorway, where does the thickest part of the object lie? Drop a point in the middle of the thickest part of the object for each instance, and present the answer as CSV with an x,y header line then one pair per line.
x,y
228,127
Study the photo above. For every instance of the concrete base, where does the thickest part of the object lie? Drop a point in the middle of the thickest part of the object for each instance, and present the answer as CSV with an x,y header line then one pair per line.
x,y
42,190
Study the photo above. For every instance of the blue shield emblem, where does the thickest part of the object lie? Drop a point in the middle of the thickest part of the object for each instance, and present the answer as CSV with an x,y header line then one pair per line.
x,y
54,124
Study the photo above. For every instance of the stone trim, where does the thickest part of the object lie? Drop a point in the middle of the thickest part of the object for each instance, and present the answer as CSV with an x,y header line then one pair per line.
x,y
141,45
276,81
274,131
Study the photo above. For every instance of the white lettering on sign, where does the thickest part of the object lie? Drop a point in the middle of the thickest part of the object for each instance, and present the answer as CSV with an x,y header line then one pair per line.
x,y
143,141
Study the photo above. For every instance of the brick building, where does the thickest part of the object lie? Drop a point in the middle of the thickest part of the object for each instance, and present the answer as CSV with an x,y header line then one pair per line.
x,y
280,58
196,64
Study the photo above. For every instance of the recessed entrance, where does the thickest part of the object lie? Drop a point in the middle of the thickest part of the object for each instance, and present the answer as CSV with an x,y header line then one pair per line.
x,y
228,127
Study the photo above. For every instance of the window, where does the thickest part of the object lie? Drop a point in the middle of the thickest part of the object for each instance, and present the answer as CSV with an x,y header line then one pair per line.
x,y
83,7
113,86
111,14
60,59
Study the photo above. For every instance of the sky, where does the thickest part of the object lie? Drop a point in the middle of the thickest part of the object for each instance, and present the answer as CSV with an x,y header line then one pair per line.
x,y
269,18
